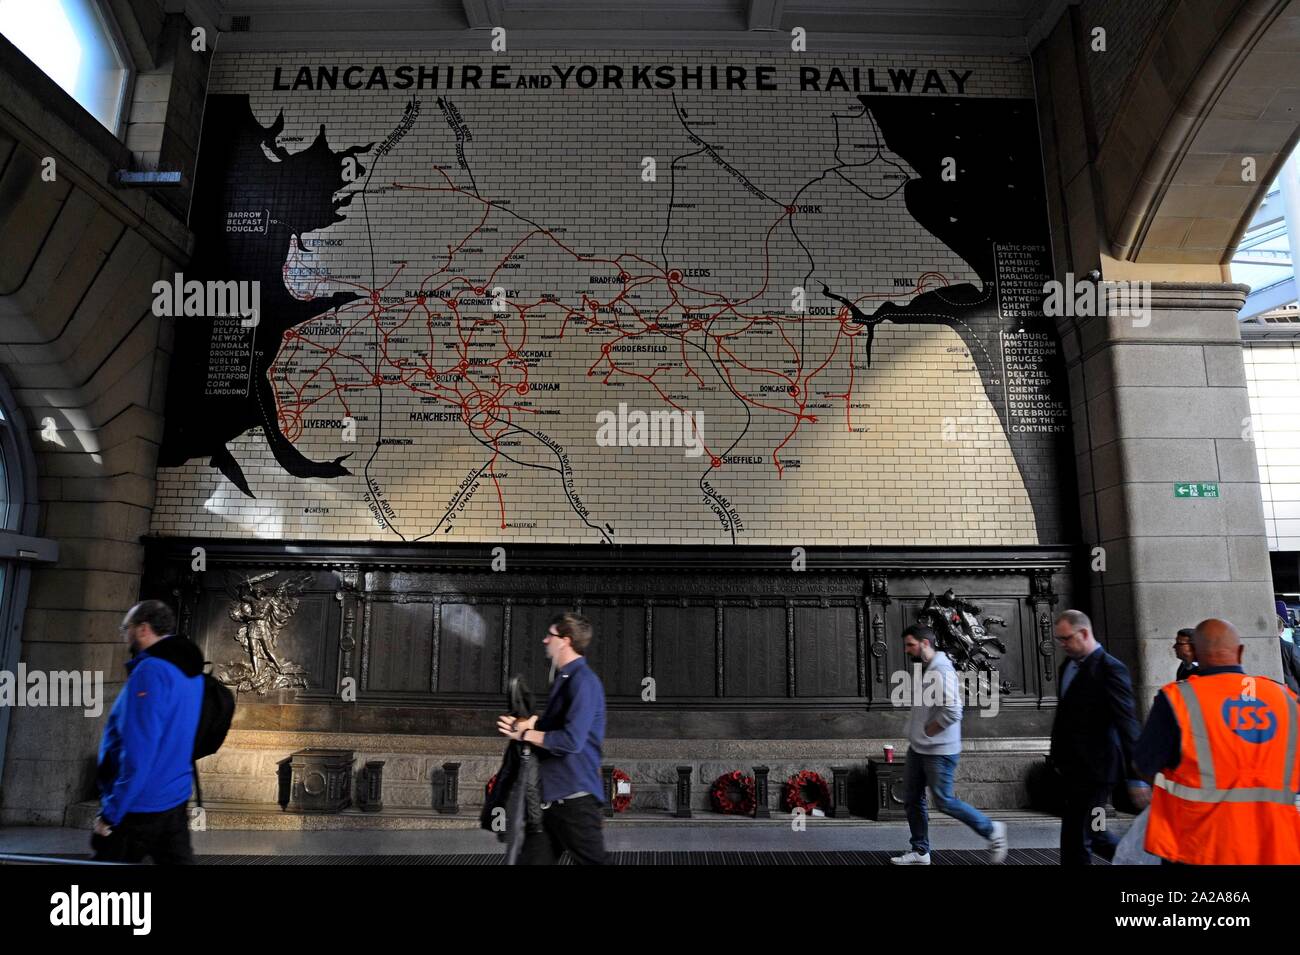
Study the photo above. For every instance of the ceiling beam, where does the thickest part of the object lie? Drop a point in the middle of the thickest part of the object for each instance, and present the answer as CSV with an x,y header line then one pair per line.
x,y
1267,213
138,47
1268,298
740,41
201,13
1041,17
765,14
482,14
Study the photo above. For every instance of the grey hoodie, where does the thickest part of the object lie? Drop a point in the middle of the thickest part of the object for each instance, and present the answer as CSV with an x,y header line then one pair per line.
x,y
945,710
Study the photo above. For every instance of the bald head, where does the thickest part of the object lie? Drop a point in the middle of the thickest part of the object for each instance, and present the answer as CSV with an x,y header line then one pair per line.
x,y
1218,644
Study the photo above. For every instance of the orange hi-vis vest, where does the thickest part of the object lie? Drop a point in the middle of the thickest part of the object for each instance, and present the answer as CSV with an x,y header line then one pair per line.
x,y
1234,797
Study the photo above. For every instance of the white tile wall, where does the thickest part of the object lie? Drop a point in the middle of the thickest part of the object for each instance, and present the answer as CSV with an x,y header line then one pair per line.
x,y
572,160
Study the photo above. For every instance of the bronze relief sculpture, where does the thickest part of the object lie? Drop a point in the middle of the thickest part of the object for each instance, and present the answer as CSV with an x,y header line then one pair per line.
x,y
262,613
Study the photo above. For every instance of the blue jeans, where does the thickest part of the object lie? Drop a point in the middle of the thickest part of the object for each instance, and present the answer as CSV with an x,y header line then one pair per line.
x,y
936,772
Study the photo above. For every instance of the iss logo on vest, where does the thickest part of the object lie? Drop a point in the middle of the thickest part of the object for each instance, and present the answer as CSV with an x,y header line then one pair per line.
x,y
1250,718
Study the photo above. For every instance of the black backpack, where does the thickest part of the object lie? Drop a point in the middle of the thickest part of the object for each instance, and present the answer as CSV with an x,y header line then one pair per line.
x,y
214,718
214,723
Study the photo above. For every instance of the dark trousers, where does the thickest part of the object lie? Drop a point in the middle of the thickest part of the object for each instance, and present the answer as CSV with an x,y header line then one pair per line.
x,y
162,836
573,824
1079,823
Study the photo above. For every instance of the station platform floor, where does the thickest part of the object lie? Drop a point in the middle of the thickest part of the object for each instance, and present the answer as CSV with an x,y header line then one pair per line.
x,y
1032,837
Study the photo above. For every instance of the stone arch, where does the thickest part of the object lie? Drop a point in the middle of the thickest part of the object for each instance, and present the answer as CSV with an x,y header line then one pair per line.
x,y
1145,186
1215,91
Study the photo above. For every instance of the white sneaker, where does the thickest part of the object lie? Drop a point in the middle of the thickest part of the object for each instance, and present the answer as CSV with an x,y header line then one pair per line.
x,y
998,843
912,858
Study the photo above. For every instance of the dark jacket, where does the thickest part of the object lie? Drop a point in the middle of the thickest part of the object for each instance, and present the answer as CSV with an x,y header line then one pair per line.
x,y
1290,665
514,807
1096,727
1160,747
146,754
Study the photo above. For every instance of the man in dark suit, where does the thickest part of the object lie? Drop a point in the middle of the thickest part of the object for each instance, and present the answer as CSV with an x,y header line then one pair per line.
x,y
1186,653
1290,656
1093,737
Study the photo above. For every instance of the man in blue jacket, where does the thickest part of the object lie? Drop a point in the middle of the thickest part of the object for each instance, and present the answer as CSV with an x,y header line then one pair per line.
x,y
145,765
568,736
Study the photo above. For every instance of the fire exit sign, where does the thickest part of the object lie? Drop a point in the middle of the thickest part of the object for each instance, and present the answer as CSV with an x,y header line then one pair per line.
x,y
1191,489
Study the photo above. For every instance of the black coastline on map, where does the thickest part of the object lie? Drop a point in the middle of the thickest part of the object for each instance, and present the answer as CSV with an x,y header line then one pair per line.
x,y
995,201
247,207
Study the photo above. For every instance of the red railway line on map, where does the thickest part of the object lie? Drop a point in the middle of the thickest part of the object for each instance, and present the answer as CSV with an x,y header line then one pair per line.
x,y
484,393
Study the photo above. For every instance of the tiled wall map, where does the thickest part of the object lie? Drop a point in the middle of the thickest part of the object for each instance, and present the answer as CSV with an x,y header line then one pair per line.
x,y
822,288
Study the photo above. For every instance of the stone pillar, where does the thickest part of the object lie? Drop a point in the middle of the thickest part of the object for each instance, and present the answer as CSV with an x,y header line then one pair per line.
x,y
607,780
839,793
450,789
370,796
683,792
1156,400
167,107
761,808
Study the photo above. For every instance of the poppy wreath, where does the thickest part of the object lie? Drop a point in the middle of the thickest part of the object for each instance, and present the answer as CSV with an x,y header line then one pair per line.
x,y
807,790
620,803
733,794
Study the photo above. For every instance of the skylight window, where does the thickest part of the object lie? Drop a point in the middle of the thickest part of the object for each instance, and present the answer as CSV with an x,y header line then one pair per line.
x,y
73,43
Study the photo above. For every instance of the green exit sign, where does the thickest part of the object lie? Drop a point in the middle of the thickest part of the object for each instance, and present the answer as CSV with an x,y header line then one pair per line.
x,y
1189,489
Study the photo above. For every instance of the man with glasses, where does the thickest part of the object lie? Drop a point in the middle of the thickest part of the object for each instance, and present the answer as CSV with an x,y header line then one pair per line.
x,y
1093,739
146,755
568,736
1186,654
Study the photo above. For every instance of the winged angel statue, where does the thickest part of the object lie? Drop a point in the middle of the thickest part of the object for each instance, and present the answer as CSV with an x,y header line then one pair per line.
x,y
262,613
